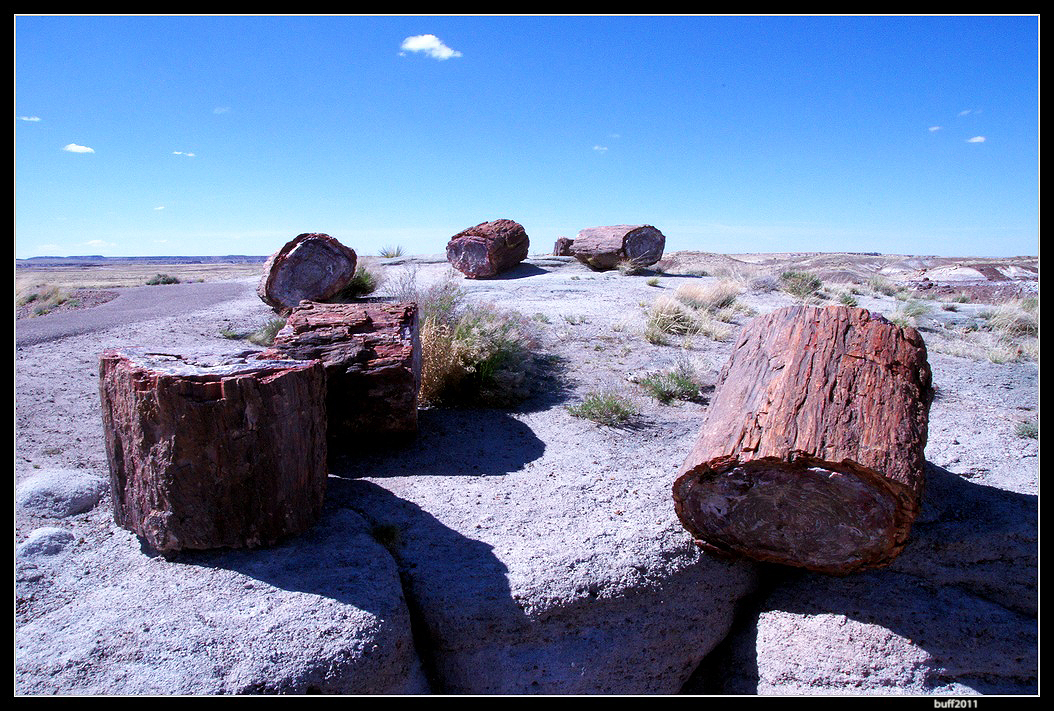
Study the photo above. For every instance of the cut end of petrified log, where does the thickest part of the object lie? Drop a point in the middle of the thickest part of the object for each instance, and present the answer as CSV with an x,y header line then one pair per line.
x,y
311,266
488,249
812,450
823,517
603,248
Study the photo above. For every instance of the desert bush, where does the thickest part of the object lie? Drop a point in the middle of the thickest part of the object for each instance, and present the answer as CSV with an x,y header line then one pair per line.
x,y
389,251
162,279
44,299
471,352
264,336
366,281
605,408
883,286
1028,429
1018,317
677,383
800,284
711,296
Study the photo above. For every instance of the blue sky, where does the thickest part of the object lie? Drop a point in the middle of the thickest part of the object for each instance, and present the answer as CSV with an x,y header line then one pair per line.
x,y
231,135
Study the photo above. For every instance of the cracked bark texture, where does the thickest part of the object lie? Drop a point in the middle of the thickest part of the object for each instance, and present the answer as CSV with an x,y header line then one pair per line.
x,y
812,450
206,454
372,355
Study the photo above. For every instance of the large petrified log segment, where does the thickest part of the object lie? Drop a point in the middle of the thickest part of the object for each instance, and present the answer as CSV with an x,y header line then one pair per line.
x,y
606,247
311,266
812,450
206,454
488,249
372,355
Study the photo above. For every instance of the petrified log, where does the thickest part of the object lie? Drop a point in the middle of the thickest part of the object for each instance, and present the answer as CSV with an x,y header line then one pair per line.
x,y
603,248
812,450
562,248
488,249
213,453
311,266
372,356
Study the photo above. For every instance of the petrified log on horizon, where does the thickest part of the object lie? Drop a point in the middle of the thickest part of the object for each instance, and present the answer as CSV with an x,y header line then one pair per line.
x,y
562,248
372,355
213,453
488,249
311,266
812,450
604,248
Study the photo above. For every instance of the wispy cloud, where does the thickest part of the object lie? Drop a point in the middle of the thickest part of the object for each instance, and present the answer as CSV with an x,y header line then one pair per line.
x,y
159,207
976,139
221,110
431,45
29,118
74,148
600,149
183,153
934,128
100,243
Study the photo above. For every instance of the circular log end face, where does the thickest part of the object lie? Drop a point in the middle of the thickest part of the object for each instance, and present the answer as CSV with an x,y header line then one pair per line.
x,y
804,516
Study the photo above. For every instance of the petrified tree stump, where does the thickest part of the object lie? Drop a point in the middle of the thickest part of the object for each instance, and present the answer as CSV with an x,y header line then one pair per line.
x,y
562,248
488,249
812,450
603,248
372,356
207,454
311,266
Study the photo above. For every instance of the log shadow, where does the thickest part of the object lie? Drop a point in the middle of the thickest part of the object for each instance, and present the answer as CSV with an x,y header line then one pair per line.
x,y
456,588
450,442
520,271
964,591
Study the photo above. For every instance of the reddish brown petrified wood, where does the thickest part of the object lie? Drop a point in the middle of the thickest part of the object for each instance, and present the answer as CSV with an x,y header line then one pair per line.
x,y
812,450
488,249
603,248
372,355
207,454
311,266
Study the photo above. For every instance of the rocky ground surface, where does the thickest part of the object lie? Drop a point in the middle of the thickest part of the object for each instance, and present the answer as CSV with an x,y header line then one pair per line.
x,y
527,550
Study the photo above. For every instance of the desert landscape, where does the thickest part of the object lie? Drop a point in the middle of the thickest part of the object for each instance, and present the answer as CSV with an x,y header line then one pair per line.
x,y
525,542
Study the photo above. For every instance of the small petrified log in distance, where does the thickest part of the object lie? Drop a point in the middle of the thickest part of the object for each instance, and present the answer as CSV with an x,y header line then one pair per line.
x,y
372,355
311,266
812,450
488,249
603,248
562,248
213,454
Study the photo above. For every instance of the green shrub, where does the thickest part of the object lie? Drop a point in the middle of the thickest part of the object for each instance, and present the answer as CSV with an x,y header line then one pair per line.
x,y
1028,429
266,334
471,352
366,281
162,279
800,284
388,251
677,383
605,408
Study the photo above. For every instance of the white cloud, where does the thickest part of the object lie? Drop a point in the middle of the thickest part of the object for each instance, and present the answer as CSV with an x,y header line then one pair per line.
x,y
600,149
935,128
430,45
182,153
975,139
28,118
221,110
100,243
74,148
160,207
